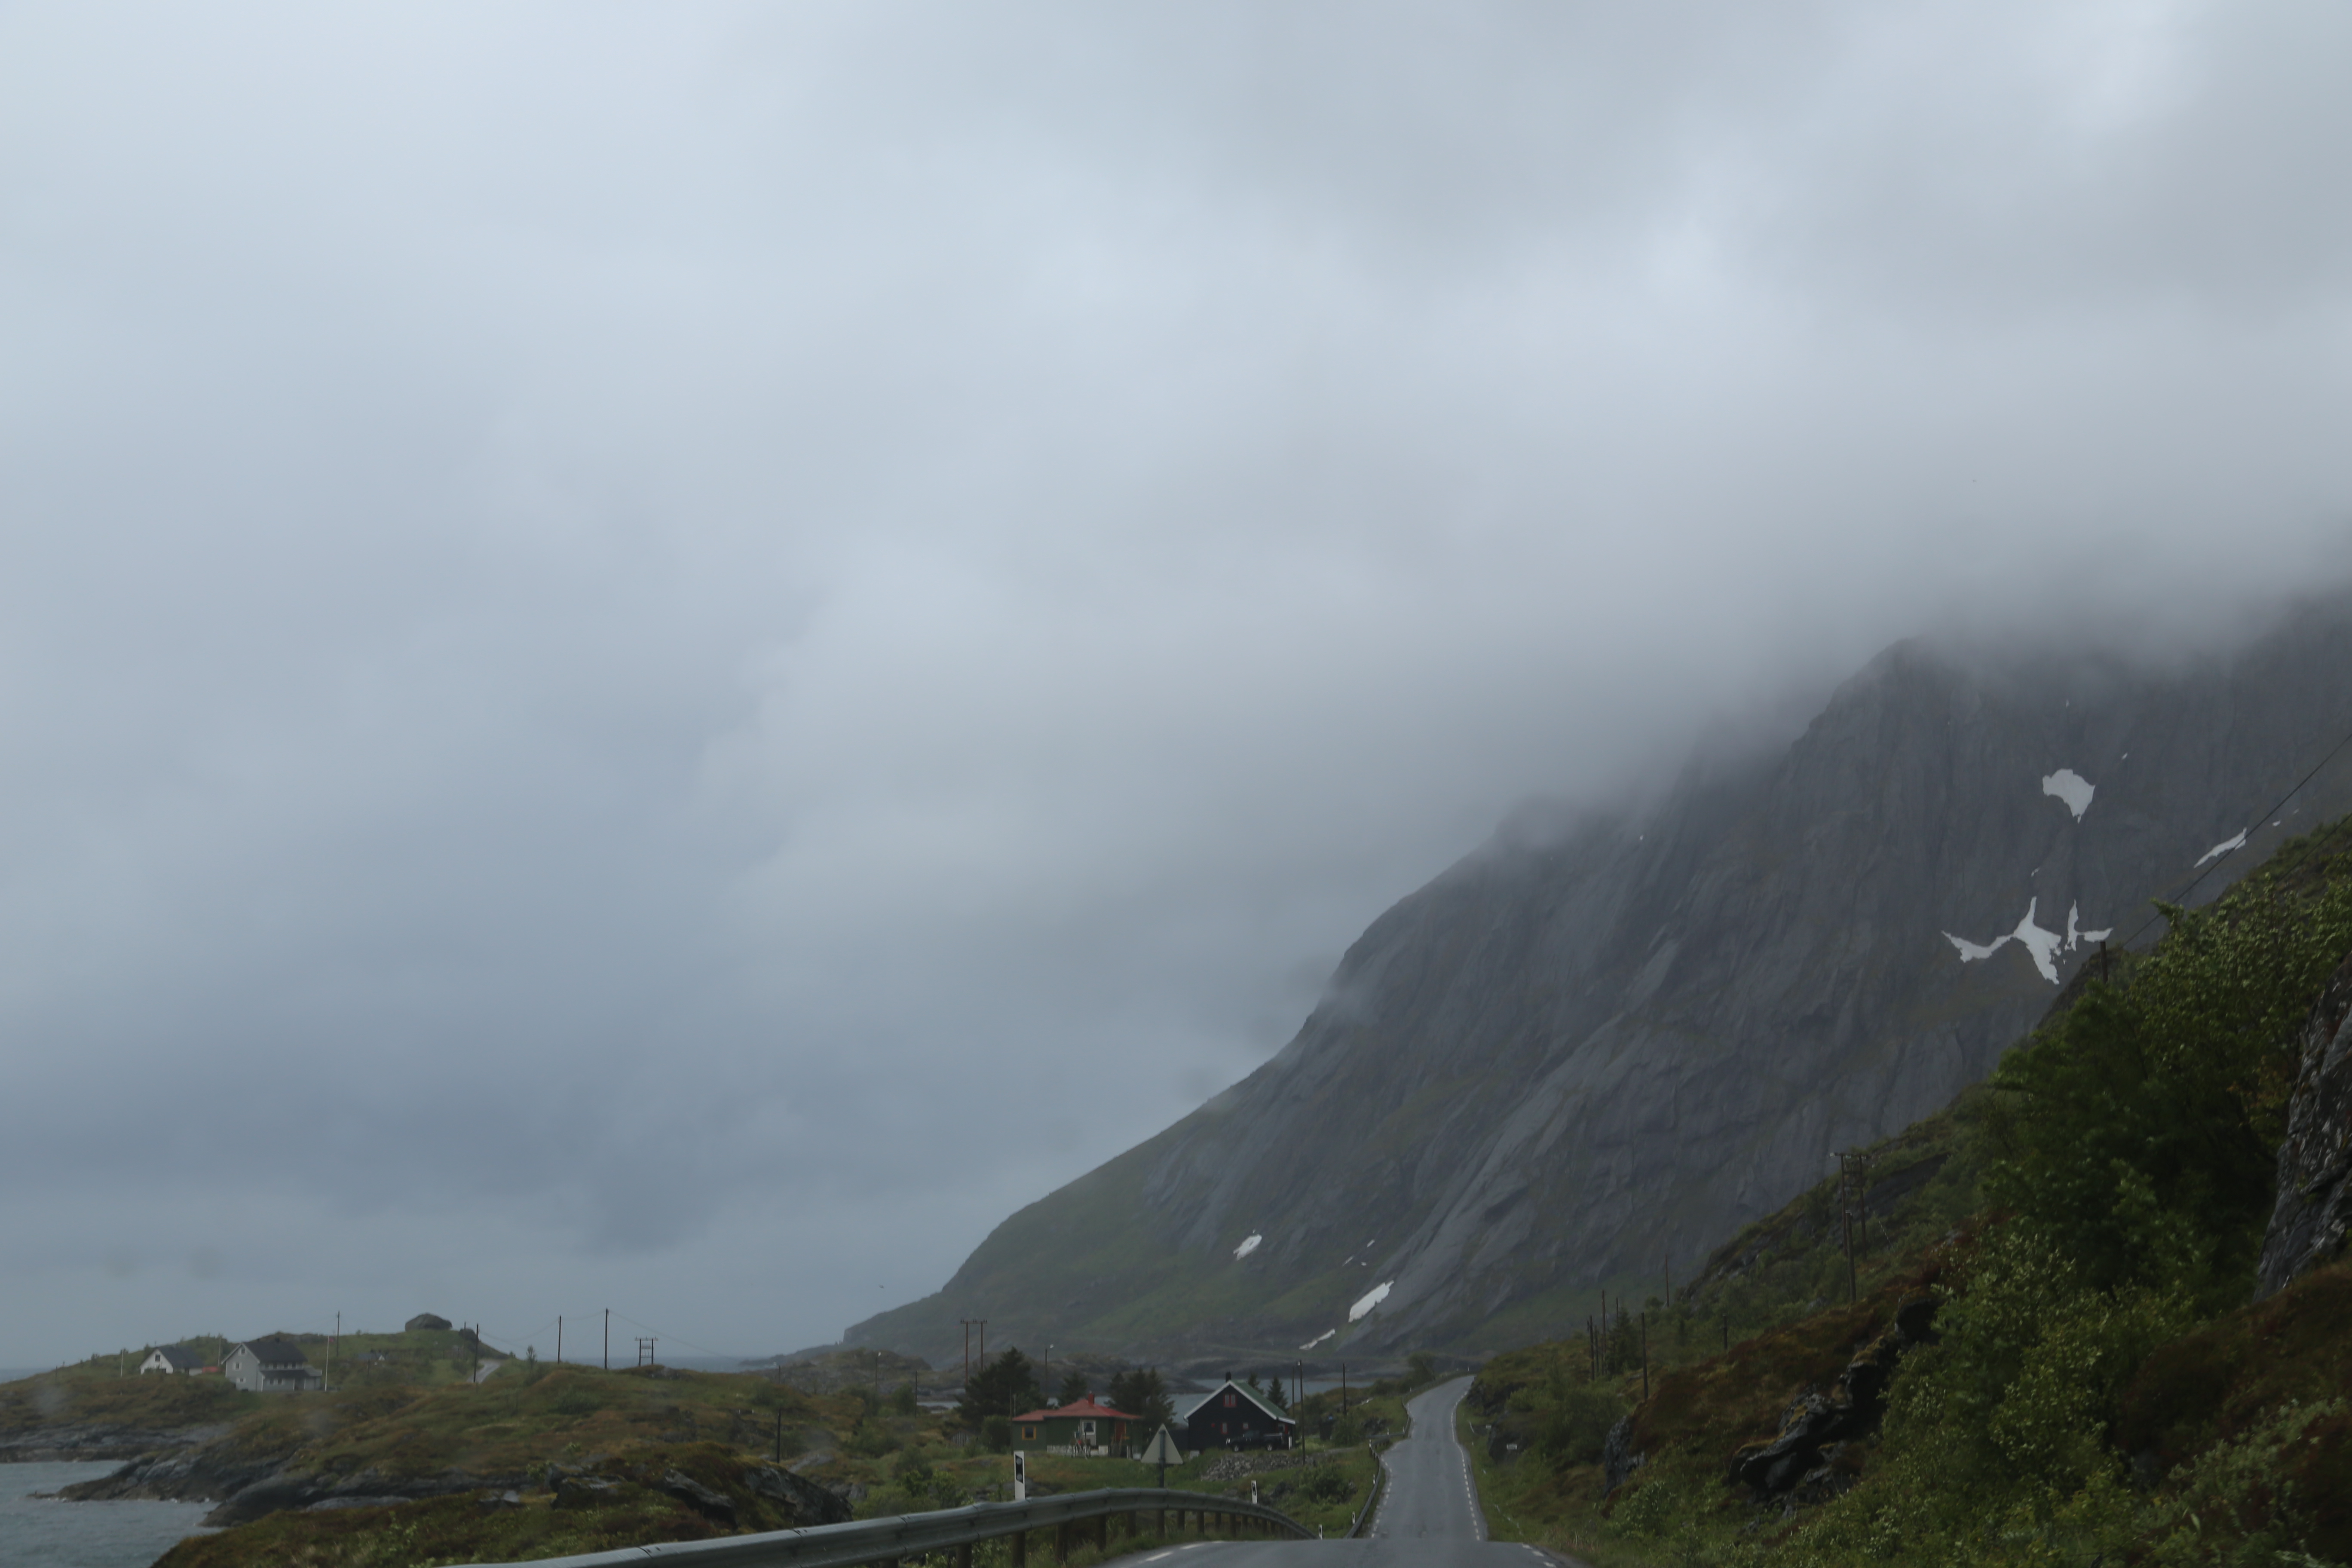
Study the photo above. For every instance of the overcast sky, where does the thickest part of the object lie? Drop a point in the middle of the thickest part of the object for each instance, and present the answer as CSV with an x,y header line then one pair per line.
x,y
668,656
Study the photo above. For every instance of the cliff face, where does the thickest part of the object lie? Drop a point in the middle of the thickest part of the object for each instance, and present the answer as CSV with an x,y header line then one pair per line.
x,y
2314,1214
1571,1059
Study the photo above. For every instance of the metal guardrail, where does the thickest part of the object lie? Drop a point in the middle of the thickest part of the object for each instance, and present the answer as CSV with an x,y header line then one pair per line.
x,y
954,1529
1365,1514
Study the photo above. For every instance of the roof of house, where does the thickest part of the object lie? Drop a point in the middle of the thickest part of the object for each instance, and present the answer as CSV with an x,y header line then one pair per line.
x,y
1244,1390
180,1356
275,1350
1077,1409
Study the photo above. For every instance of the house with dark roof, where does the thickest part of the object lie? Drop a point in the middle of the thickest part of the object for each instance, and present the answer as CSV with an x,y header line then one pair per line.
x,y
1084,1428
271,1364
171,1359
1236,1416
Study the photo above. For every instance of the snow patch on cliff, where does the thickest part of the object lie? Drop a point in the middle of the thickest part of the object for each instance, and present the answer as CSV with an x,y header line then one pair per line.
x,y
1370,1299
2223,848
1248,1245
2043,944
2072,788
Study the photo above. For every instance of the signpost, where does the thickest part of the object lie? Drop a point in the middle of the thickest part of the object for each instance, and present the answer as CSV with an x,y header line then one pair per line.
x,y
1162,1451
1020,1475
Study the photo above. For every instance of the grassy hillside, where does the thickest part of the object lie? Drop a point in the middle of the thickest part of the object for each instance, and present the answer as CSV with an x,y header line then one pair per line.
x,y
2051,1356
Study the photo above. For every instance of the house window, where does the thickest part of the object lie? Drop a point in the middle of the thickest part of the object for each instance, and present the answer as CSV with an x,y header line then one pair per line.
x,y
1028,1434
1230,1401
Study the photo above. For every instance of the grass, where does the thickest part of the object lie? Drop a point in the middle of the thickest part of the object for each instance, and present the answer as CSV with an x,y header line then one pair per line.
x,y
154,1403
635,1428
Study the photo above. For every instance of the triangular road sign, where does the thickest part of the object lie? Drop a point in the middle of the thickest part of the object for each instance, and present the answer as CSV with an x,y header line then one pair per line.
x,y
1162,1450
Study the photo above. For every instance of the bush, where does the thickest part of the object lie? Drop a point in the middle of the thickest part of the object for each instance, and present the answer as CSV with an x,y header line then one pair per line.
x,y
2140,1131
1576,1424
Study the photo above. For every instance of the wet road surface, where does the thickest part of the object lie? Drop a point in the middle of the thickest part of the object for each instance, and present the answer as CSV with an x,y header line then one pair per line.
x,y
1428,1518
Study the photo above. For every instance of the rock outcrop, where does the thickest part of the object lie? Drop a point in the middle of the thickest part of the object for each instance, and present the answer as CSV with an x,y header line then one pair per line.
x,y
1603,1044
1816,1423
2314,1214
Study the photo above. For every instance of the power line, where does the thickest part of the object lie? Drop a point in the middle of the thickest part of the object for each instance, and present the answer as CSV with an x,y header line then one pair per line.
x,y
2222,859
681,1339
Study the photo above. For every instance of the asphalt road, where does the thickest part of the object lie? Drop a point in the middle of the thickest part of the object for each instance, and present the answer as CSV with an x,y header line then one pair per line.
x,y
1429,1514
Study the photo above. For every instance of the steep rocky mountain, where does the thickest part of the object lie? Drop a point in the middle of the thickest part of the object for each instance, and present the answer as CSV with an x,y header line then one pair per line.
x,y
1584,1056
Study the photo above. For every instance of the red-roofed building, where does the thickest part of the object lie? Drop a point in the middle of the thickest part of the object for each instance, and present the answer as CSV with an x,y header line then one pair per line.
x,y
1085,1429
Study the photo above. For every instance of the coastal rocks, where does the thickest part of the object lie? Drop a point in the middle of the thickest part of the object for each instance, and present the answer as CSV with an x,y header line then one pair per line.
x,y
285,1490
2314,1211
97,1440
189,1474
1816,1425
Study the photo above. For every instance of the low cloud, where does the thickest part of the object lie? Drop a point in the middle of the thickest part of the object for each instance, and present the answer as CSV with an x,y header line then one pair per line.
x,y
669,660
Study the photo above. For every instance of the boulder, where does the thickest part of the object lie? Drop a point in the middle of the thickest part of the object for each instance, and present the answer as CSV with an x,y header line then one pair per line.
x,y
2314,1211
1815,1424
586,1491
709,1502
810,1503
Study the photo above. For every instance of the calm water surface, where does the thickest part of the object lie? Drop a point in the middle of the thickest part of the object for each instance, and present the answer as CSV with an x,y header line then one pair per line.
x,y
38,1533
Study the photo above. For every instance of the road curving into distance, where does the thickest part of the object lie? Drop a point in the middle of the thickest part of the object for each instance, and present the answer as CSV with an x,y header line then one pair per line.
x,y
1428,1516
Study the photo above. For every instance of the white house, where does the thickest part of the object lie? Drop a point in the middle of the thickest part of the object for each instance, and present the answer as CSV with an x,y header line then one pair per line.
x,y
272,1365
172,1358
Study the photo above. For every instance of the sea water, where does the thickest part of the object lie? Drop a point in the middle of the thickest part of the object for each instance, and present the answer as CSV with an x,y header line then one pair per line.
x,y
43,1532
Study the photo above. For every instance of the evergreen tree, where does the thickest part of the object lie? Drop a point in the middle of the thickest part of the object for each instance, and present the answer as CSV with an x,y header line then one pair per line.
x,y
1142,1393
1003,1385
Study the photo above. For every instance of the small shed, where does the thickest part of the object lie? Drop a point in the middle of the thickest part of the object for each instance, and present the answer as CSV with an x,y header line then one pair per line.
x,y
1084,1428
171,1359
271,1364
1236,1416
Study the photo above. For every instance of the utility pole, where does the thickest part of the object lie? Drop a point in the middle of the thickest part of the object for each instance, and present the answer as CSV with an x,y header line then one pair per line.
x,y
328,1381
877,1380
559,1339
1343,1391
608,1339
1852,1196
1645,1356
1846,1224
